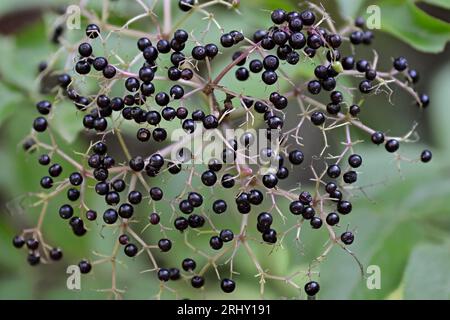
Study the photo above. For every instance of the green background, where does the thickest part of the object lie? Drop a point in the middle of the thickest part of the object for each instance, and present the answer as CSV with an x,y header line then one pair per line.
x,y
402,220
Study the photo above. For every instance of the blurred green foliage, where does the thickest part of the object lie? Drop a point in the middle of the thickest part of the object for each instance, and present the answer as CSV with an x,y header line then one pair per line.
x,y
402,218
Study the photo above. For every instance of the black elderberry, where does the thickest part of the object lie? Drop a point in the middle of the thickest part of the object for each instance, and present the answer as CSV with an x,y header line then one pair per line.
x,y
131,250
174,273
18,241
181,223
356,37
197,281
91,215
196,221
100,63
165,245
329,84
126,211
347,237
73,194
269,77
332,219
56,254
211,50
296,207
109,71
314,87
242,74
278,16
110,216
392,145
330,187
255,66
156,193
46,182
216,243
305,197
354,110
400,64
308,17
270,236
124,239
344,207
82,67
312,288
227,285
333,108
32,244
413,75
44,107
159,134
186,207
354,160
33,258
137,163
219,206
315,222
164,274
181,113
350,177
318,118
270,180
55,170
92,31
377,137
188,264
186,5
85,49
226,235
424,100
334,171
40,124
198,53
426,156
66,211
348,63
365,86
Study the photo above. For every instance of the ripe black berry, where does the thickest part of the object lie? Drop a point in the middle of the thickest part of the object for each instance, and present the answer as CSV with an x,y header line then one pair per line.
x,y
165,245
400,64
130,250
377,137
219,206
188,264
186,5
355,160
347,237
332,218
85,266
227,285
392,145
209,178
318,118
426,156
92,31
312,288
110,216
216,243
197,281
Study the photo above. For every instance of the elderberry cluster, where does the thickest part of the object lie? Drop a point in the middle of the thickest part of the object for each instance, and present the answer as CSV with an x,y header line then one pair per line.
x,y
295,38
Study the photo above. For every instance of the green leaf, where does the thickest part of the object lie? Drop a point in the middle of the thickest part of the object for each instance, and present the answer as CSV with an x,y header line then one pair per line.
x,y
427,274
439,3
67,121
9,102
350,8
440,112
407,22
